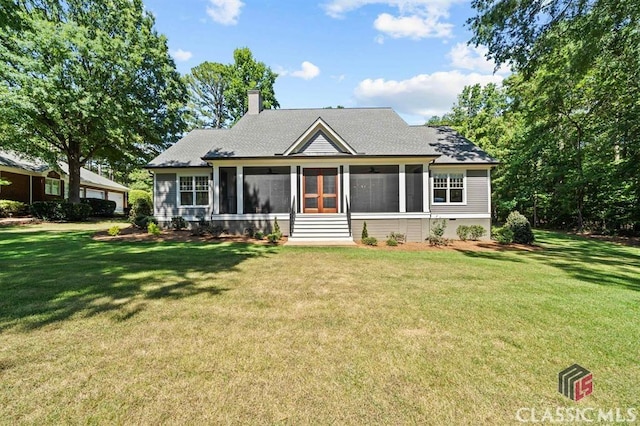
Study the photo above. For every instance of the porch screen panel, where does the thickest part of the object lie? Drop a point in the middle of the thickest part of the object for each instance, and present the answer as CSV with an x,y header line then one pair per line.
x,y
374,189
413,176
267,189
228,197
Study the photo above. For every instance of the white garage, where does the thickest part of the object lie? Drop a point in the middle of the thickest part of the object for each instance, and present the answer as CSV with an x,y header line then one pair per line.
x,y
118,197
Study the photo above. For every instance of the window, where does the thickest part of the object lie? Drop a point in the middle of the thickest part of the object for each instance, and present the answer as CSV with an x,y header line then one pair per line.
x,y
52,186
448,188
413,177
267,189
194,190
375,189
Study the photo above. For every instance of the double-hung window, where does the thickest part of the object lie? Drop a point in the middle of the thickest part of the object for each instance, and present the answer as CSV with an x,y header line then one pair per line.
x,y
52,186
194,190
448,188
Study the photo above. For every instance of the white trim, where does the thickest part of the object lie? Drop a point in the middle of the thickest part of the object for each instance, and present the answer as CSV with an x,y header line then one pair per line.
x,y
216,189
460,216
328,161
59,193
462,166
153,195
346,185
357,216
192,175
489,191
449,173
293,190
402,188
410,215
319,125
240,189
426,197
254,216
31,189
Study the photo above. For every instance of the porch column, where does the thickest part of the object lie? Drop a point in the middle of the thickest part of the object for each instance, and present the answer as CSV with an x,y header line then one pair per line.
x,y
346,184
240,189
216,189
30,189
294,186
425,188
402,183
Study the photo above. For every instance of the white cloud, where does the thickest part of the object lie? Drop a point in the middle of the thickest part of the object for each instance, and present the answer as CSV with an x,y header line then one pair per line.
x,y
181,55
414,18
466,57
424,95
225,12
339,78
379,39
414,26
307,71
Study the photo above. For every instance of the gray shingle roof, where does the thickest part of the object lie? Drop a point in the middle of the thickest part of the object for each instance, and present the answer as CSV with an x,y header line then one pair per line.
x,y
87,177
370,131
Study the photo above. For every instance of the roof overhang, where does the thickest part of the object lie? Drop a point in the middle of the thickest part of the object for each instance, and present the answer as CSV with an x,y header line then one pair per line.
x,y
319,126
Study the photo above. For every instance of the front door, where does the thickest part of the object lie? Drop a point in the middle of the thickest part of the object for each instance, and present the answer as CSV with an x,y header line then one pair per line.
x,y
320,190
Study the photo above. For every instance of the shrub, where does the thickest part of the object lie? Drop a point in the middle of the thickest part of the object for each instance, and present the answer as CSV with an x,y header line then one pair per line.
x,y
502,235
178,223
274,237
143,222
521,228
142,207
258,235
436,235
463,232
114,230
12,208
365,233
476,232
60,210
100,207
370,241
392,242
276,227
400,238
153,228
136,194
249,232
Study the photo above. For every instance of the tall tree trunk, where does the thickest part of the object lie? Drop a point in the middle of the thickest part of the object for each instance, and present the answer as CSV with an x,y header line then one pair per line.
x,y
74,177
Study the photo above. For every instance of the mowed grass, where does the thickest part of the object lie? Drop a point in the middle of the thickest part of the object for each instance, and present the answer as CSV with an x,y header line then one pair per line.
x,y
189,333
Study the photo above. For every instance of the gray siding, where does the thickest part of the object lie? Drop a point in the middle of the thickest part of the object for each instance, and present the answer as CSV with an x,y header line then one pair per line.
x,y
165,195
477,195
415,230
319,144
238,226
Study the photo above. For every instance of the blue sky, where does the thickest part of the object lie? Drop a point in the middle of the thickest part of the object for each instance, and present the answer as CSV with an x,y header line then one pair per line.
x,y
411,55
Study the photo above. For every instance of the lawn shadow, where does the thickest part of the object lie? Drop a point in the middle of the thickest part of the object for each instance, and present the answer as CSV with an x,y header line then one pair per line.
x,y
588,260
47,277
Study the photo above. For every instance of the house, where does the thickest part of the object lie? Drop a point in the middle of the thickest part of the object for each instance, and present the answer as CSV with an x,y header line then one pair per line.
x,y
33,180
324,172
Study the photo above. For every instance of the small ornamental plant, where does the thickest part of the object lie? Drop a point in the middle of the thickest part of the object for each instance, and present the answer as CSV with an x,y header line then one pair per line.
x,y
114,230
153,229
365,233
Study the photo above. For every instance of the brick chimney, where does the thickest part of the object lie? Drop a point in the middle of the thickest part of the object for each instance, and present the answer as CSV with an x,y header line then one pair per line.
x,y
255,102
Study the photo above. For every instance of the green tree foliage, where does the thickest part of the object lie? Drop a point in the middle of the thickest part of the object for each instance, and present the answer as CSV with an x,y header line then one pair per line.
x,y
208,84
140,179
86,79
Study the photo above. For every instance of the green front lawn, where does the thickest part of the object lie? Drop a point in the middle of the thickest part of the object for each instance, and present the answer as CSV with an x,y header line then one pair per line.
x,y
131,332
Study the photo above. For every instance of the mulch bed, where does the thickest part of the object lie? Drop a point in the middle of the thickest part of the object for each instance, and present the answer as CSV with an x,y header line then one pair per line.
x,y
455,245
134,234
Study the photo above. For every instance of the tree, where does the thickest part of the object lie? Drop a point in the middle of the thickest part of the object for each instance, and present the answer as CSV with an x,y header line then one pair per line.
x,y
247,74
208,84
87,79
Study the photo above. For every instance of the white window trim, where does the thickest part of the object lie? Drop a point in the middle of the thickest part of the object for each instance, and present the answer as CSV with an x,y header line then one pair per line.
x,y
192,176
59,186
448,172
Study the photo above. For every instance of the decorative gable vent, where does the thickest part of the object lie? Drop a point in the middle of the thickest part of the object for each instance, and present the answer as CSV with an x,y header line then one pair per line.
x,y
319,139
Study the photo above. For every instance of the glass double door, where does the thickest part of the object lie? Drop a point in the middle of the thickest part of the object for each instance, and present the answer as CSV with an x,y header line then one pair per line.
x,y
320,190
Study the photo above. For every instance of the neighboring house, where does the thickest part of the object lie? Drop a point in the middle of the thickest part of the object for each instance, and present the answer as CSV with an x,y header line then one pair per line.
x,y
33,180
324,172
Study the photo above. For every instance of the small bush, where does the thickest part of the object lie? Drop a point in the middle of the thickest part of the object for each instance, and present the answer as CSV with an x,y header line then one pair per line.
x,y
114,230
276,227
463,232
521,228
392,242
476,232
136,194
143,222
258,235
142,207
400,238
370,241
100,207
60,210
502,235
365,233
12,208
436,235
249,232
153,228
178,223
274,237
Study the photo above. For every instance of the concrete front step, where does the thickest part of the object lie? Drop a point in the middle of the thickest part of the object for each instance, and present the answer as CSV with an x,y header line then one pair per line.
x,y
320,241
